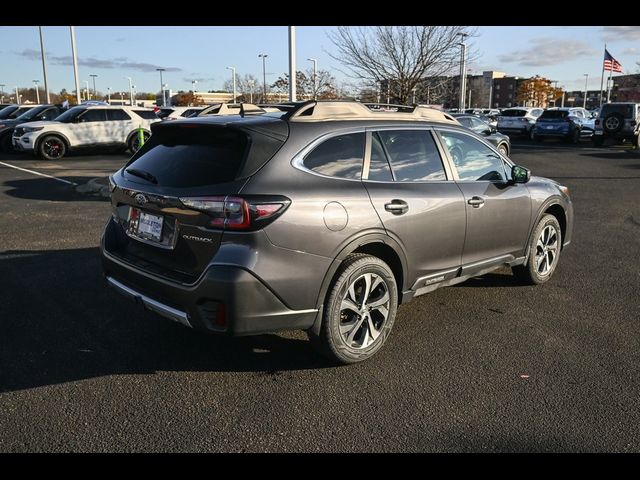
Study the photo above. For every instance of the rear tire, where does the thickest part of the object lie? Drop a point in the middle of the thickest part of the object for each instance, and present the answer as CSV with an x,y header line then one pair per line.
x,y
134,142
544,253
52,147
359,310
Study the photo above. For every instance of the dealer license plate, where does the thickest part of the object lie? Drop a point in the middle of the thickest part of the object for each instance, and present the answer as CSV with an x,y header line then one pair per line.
x,y
149,226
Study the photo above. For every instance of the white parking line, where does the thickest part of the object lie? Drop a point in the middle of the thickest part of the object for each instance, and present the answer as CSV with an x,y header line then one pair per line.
x,y
38,173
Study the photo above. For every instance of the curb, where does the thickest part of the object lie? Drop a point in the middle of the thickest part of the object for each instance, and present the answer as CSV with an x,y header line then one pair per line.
x,y
97,187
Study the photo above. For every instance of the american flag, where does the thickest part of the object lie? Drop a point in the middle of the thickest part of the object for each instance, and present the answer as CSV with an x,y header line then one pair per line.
x,y
611,63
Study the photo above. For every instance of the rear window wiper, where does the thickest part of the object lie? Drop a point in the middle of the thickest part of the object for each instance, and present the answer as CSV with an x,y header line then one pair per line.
x,y
142,174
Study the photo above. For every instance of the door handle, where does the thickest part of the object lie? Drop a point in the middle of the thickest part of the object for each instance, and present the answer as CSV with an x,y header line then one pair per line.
x,y
475,202
397,207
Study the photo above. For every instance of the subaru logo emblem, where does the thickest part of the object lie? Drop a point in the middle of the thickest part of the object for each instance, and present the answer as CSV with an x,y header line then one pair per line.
x,y
140,199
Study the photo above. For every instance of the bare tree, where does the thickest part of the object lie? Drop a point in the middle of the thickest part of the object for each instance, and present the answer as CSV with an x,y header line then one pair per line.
x,y
325,86
399,56
248,87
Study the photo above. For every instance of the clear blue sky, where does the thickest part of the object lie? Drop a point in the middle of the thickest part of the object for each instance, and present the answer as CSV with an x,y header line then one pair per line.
x,y
202,53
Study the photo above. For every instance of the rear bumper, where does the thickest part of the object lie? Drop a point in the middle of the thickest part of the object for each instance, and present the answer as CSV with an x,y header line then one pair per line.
x,y
226,299
524,130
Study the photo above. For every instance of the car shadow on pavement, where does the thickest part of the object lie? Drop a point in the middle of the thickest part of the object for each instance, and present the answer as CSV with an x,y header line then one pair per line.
x,y
501,278
50,189
59,322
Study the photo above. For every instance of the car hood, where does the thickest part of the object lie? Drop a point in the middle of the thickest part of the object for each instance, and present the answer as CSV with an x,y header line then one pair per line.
x,y
42,123
9,123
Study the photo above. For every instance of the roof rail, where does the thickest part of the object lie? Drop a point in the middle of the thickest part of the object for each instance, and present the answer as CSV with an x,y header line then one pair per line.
x,y
313,111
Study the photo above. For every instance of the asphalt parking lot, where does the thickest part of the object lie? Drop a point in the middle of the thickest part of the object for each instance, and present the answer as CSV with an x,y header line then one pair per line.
x,y
483,366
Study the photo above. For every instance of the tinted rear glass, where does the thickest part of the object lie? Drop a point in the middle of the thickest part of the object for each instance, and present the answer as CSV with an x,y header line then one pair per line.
x,y
340,157
555,114
625,110
513,113
192,157
146,114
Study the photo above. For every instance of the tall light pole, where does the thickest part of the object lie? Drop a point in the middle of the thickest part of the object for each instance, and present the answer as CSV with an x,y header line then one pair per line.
x,y
413,90
251,84
95,92
109,95
2,85
165,88
75,64
233,72
87,90
264,76
17,96
315,76
131,92
161,83
586,80
292,64
134,94
463,70
44,66
193,87
35,83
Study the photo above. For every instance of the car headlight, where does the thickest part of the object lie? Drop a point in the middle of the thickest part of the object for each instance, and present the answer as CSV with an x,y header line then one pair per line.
x,y
32,129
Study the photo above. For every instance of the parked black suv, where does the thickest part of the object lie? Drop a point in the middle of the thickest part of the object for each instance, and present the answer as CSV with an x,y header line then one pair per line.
x,y
323,216
620,121
35,114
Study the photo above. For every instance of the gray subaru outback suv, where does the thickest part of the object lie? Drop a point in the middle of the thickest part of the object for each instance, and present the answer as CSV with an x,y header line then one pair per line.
x,y
321,216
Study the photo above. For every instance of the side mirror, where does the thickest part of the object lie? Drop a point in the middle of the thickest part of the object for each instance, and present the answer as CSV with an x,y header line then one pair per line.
x,y
520,174
487,131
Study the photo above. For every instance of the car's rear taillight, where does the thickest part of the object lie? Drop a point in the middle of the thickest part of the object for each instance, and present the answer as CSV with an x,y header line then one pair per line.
x,y
238,213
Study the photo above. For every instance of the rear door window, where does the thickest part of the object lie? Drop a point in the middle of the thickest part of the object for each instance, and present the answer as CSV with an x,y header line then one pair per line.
x,y
186,157
413,155
379,169
94,115
117,115
339,157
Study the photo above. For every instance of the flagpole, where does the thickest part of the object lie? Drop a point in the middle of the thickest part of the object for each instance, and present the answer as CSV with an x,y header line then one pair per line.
x,y
608,82
602,77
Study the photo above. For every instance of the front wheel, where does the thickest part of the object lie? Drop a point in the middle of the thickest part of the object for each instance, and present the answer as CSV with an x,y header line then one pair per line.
x,y
359,310
544,252
52,147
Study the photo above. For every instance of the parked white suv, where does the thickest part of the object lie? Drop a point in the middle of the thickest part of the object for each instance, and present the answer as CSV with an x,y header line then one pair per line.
x,y
83,127
518,120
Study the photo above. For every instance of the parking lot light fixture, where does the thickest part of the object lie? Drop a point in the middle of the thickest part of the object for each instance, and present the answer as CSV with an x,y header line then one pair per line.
x,y
95,92
315,76
35,83
264,76
17,96
233,72
161,83
109,95
586,81
130,91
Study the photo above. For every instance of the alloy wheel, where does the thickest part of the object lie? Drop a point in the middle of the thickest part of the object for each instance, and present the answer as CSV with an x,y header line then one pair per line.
x,y
364,311
53,147
546,250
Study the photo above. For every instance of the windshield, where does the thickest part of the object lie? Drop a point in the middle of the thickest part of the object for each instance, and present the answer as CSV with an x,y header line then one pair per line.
x,y
514,113
32,112
18,112
6,111
70,115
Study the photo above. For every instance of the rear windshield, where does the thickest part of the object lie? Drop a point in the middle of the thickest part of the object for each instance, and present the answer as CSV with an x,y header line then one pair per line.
x,y
513,113
192,157
554,114
6,111
625,110
18,112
